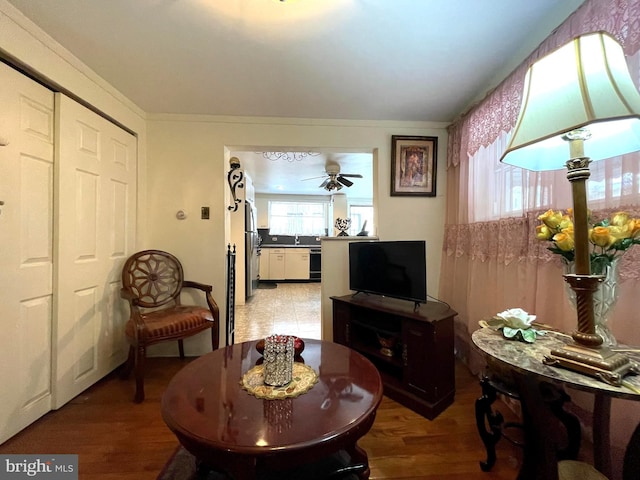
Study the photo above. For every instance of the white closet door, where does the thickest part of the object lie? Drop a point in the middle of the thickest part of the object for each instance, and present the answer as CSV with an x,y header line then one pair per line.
x,y
96,216
26,245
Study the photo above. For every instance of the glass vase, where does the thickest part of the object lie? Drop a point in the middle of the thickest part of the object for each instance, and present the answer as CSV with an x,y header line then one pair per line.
x,y
604,298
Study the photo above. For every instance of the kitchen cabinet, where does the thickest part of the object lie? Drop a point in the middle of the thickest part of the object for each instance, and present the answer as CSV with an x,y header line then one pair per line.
x,y
296,264
289,263
276,264
264,265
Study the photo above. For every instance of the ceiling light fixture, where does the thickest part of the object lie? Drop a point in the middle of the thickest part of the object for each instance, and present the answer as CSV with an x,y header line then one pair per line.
x,y
288,156
331,184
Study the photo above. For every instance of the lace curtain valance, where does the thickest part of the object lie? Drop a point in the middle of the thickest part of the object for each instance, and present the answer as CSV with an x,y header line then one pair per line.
x,y
514,239
498,112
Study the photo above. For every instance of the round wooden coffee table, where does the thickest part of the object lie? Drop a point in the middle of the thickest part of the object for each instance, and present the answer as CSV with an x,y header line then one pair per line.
x,y
230,430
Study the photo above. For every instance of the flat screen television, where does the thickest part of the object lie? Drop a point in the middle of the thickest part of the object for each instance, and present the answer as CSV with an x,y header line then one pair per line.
x,y
395,269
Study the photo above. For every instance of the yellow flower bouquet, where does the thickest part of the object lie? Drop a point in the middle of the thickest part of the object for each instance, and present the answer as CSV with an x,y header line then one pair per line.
x,y
609,238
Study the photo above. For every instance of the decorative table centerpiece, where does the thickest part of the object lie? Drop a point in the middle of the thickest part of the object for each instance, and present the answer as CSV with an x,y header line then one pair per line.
x,y
278,360
281,373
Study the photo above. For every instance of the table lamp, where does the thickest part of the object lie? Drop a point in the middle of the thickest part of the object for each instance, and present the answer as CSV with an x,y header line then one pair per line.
x,y
579,101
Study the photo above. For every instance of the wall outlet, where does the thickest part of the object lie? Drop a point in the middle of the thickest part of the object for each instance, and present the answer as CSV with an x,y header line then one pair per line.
x,y
204,215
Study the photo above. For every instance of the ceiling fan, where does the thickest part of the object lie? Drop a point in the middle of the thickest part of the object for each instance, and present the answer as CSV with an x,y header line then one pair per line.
x,y
334,179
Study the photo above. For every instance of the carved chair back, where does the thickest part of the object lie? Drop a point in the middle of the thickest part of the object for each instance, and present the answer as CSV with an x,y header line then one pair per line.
x,y
155,277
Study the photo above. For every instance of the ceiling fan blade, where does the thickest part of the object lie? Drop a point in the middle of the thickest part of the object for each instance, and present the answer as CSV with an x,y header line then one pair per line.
x,y
324,184
312,178
344,181
352,175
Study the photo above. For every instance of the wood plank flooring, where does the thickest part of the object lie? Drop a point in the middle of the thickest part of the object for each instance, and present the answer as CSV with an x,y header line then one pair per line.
x,y
117,439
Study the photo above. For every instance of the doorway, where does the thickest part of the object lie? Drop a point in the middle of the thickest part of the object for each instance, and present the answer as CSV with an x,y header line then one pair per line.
x,y
299,177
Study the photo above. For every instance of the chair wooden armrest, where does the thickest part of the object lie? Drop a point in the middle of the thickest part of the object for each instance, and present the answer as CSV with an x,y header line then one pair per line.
x,y
213,306
200,286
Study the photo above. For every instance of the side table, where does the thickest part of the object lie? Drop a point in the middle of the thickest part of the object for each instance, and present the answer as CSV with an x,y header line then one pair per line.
x,y
524,358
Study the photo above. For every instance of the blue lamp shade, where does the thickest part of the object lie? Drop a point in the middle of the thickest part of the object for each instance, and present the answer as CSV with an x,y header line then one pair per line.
x,y
584,84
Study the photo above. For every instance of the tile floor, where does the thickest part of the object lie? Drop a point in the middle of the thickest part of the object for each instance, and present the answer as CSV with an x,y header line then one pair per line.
x,y
290,308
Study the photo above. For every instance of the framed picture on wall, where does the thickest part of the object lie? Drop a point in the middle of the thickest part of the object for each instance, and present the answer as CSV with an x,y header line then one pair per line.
x,y
413,166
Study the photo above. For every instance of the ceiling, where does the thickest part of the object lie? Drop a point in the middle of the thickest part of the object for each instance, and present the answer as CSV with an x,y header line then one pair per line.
x,y
302,173
396,60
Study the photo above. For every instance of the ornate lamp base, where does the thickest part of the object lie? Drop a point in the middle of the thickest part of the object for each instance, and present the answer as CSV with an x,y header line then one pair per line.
x,y
601,363
586,355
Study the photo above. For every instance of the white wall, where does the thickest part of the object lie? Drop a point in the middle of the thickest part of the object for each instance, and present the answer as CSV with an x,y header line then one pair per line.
x,y
335,276
340,210
188,167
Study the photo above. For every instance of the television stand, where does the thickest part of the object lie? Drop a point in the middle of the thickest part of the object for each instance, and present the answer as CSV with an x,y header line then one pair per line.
x,y
411,348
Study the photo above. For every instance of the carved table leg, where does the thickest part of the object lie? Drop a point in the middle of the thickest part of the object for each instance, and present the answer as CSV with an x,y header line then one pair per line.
x,y
203,470
556,399
241,468
359,463
495,420
547,427
631,468
601,435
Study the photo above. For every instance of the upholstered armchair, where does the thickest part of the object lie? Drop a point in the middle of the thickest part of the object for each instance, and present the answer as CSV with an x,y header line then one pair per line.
x,y
152,281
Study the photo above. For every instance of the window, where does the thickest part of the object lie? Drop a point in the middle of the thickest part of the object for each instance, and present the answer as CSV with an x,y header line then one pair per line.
x,y
291,218
497,190
360,214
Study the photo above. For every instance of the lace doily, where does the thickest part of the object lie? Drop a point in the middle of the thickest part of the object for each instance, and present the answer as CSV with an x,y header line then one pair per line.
x,y
303,379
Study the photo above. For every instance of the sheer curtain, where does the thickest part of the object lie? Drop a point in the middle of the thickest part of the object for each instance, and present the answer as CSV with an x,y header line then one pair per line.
x,y
492,260
492,208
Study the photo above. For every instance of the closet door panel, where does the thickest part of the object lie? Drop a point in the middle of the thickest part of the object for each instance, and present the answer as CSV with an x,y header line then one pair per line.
x,y
96,211
26,250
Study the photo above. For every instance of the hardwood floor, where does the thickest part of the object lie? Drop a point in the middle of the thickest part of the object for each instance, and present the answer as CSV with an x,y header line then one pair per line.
x,y
117,439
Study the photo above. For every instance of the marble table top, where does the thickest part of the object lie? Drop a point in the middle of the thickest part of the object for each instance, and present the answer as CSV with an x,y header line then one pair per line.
x,y
528,357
